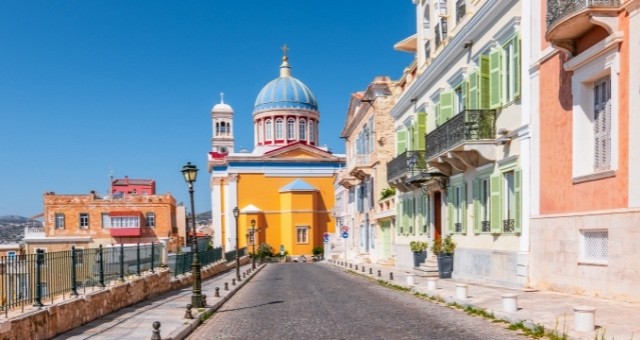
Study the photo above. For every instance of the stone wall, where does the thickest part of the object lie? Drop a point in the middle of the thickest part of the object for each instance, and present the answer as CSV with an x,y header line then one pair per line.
x,y
64,316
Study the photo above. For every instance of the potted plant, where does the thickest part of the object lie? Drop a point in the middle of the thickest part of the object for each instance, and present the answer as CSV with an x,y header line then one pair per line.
x,y
318,253
444,250
419,252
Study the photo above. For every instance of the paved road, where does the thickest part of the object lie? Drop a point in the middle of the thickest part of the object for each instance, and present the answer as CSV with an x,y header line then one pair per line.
x,y
315,301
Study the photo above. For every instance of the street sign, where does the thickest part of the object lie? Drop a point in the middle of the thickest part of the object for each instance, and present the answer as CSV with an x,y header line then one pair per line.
x,y
326,237
345,228
345,234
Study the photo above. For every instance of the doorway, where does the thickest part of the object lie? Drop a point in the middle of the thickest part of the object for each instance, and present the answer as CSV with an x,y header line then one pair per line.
x,y
437,220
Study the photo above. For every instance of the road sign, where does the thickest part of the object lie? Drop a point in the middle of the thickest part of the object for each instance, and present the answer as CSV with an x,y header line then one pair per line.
x,y
326,237
345,228
345,234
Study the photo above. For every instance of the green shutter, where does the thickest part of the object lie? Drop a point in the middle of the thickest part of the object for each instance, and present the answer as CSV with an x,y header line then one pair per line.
x,y
450,207
496,204
439,120
472,99
465,94
446,105
401,142
463,206
483,82
517,179
399,217
517,64
495,76
421,130
477,223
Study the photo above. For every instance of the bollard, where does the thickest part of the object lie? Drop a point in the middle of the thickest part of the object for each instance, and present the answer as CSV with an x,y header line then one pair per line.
x,y
226,286
350,266
510,302
411,279
156,331
370,271
217,292
356,267
461,291
432,283
233,281
585,318
391,276
187,314
204,300
244,275
363,269
379,273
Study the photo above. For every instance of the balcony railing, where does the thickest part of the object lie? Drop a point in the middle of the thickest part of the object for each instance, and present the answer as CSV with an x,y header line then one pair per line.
x,y
407,164
466,125
358,160
559,9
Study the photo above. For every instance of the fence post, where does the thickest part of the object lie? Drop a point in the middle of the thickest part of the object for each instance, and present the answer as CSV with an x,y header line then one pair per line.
x,y
122,262
101,264
39,259
153,247
74,283
138,260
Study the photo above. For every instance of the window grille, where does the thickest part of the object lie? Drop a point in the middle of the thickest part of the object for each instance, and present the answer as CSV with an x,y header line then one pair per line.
x,y
486,226
458,227
595,246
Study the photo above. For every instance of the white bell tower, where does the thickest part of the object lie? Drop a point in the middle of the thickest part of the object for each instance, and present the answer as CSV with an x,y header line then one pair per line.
x,y
222,141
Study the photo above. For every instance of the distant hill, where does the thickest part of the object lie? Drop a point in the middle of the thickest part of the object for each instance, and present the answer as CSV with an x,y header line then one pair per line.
x,y
12,228
203,217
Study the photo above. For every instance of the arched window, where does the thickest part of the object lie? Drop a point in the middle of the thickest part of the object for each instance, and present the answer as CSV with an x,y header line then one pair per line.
x,y
312,134
291,128
260,133
302,131
223,128
279,127
267,130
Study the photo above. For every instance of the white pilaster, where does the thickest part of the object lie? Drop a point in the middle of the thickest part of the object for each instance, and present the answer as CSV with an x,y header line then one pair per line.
x,y
216,212
634,103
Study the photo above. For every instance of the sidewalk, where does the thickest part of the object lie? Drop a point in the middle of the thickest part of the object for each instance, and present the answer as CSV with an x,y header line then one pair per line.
x,y
616,320
169,309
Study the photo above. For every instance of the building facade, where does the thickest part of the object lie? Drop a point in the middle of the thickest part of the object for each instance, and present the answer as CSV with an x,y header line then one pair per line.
x,y
585,226
283,188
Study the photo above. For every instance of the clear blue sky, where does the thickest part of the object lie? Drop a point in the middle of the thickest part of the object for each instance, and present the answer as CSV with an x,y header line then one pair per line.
x,y
89,87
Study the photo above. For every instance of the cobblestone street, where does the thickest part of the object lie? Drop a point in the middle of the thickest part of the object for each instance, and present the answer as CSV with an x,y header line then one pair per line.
x,y
314,301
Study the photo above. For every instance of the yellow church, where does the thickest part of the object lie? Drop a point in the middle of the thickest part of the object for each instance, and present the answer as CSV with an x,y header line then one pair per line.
x,y
283,189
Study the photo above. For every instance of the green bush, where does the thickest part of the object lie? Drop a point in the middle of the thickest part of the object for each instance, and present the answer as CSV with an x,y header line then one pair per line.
x,y
388,192
418,246
317,250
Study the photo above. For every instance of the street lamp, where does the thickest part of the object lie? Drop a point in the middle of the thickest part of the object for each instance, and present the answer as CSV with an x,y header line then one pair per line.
x,y
236,213
253,243
190,171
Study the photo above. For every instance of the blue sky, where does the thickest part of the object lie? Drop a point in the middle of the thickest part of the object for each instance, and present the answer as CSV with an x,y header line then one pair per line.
x,y
89,88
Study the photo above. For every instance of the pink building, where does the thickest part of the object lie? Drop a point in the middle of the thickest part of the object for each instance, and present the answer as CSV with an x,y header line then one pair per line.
x,y
123,187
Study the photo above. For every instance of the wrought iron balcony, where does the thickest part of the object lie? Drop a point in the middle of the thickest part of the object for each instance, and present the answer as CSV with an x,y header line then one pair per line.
x,y
467,125
569,19
406,165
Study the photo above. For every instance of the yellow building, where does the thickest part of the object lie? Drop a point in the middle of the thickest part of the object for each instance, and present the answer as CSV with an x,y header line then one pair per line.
x,y
285,185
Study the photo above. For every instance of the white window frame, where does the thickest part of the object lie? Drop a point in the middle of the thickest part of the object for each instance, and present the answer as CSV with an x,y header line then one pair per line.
x,y
302,234
268,132
106,220
279,129
59,221
595,63
83,220
302,129
584,257
484,197
150,219
509,69
291,129
509,201
312,135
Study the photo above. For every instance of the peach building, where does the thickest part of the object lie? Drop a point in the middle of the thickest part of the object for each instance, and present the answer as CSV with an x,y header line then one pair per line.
x,y
585,228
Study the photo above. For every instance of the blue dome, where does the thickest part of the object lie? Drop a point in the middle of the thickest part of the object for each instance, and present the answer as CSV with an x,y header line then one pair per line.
x,y
285,92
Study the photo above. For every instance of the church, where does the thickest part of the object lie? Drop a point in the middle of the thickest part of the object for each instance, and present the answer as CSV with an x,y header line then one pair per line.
x,y
283,188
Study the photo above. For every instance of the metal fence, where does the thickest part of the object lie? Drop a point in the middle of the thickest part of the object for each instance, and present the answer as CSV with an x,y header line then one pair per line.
x,y
31,279
183,262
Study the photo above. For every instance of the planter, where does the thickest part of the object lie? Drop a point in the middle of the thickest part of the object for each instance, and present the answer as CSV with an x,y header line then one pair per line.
x,y
419,258
445,265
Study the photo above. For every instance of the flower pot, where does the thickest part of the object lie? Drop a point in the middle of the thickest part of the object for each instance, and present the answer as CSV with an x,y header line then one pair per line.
x,y
419,258
445,265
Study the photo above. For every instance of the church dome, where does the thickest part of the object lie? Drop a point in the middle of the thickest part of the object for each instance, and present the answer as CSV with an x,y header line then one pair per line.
x,y
285,92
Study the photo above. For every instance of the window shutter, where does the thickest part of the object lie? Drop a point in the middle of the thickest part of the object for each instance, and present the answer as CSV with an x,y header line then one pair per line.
x,y
438,115
517,179
421,120
412,215
446,105
477,223
450,210
496,203
399,211
401,138
495,78
465,95
483,82
602,124
517,67
463,206
472,99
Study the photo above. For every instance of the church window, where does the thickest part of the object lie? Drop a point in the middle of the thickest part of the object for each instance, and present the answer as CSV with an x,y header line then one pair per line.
x,y
303,130
311,132
267,130
279,127
291,128
260,132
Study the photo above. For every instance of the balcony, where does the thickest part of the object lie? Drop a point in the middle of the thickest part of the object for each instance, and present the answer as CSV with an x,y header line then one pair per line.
x,y
404,172
568,20
466,140
359,166
386,208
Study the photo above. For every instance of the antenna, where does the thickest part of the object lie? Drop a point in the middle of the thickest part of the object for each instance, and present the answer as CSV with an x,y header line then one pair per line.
x,y
109,188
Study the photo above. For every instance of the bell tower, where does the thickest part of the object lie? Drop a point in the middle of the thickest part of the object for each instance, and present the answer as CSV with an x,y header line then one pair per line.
x,y
222,141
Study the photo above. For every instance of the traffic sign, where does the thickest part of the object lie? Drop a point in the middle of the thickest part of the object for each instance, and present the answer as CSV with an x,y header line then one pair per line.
x,y
326,237
345,234
345,228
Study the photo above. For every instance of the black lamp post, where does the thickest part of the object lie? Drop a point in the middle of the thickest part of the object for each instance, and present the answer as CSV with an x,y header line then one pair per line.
x,y
190,171
253,243
236,213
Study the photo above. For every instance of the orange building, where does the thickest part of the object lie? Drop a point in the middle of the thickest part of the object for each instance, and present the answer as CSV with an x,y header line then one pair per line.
x,y
585,226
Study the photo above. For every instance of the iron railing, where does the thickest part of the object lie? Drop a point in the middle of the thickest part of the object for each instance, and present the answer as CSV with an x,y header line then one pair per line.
x,y
407,164
466,125
183,262
33,279
231,255
560,9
